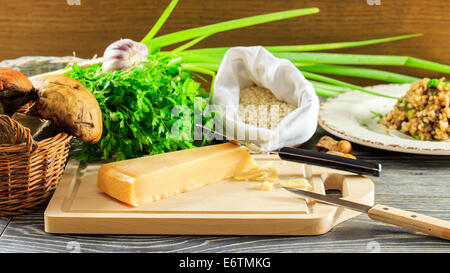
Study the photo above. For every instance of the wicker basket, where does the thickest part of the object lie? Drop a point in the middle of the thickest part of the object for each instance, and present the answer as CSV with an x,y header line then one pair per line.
x,y
30,172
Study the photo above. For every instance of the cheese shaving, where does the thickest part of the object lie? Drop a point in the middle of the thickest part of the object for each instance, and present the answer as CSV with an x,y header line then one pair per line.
x,y
266,173
299,183
269,176
265,186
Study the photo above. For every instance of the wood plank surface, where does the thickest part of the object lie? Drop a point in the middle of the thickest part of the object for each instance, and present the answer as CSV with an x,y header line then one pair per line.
x,y
49,27
4,220
413,182
418,184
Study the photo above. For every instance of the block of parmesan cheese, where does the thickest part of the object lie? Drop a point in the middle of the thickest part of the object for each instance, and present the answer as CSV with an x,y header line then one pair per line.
x,y
147,179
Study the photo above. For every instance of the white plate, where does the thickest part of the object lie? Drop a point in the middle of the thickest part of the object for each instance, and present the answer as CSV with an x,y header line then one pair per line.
x,y
349,116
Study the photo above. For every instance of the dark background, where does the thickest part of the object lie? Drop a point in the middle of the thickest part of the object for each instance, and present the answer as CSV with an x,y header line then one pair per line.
x,y
55,28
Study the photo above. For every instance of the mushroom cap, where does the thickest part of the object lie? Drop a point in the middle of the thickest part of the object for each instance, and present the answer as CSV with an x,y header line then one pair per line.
x,y
15,90
13,82
70,105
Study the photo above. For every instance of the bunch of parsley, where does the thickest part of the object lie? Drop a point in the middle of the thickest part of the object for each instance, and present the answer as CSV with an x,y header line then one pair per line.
x,y
139,109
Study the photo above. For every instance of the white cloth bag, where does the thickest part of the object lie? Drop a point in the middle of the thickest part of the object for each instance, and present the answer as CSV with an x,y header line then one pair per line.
x,y
242,67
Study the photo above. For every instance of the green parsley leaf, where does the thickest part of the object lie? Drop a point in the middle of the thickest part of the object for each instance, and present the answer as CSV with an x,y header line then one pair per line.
x,y
433,83
140,109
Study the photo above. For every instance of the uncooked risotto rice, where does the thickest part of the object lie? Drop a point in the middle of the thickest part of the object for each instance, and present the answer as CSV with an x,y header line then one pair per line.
x,y
259,107
423,112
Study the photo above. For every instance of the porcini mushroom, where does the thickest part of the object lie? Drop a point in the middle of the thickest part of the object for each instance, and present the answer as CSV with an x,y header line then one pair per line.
x,y
70,105
15,90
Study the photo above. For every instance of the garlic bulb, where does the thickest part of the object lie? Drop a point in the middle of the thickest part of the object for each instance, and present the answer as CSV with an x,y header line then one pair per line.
x,y
123,54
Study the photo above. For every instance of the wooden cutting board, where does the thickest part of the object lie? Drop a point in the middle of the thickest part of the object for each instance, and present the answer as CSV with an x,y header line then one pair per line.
x,y
224,208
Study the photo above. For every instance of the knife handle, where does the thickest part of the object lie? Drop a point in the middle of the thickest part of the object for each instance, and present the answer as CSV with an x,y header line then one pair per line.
x,y
331,161
411,220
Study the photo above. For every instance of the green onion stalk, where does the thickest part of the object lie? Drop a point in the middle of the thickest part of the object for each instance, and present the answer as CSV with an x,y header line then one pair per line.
x,y
312,64
137,104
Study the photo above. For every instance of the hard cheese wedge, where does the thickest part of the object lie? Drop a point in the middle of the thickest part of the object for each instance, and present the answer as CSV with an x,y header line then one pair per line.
x,y
146,179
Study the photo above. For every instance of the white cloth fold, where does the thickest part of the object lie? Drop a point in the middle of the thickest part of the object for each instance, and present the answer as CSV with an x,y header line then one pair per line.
x,y
242,67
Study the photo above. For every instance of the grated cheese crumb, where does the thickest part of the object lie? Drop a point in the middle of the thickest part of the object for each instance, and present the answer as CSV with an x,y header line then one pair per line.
x,y
264,186
301,183
266,173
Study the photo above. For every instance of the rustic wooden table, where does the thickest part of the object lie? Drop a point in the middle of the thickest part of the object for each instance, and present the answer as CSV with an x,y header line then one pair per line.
x,y
413,182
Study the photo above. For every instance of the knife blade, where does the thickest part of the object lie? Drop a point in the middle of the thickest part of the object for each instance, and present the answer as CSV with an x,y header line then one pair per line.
x,y
311,157
252,147
331,200
402,218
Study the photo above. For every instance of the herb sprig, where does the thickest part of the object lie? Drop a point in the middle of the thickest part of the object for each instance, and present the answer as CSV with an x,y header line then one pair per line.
x,y
138,107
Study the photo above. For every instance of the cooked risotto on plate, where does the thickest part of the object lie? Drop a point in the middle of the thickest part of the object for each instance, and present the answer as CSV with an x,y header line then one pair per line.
x,y
423,112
